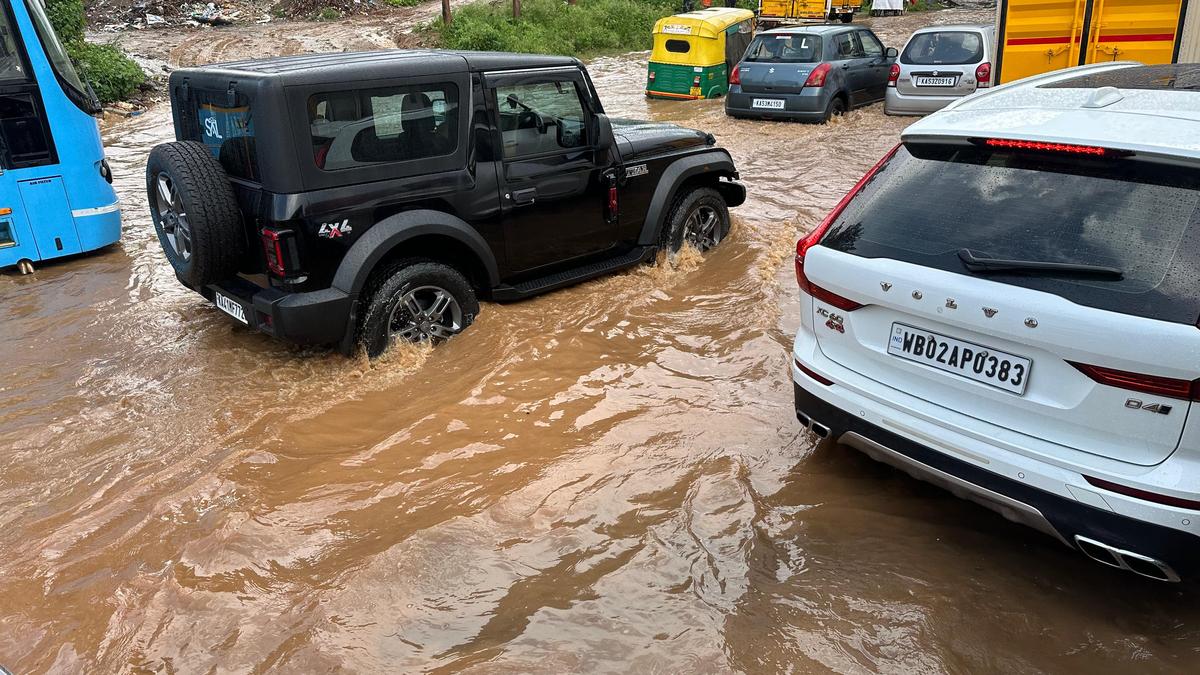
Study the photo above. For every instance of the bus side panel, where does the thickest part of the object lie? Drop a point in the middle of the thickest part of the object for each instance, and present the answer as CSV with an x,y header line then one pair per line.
x,y
1133,30
16,239
55,233
1037,36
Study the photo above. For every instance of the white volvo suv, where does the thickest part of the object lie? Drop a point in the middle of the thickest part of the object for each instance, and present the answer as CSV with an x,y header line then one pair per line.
x,y
1006,305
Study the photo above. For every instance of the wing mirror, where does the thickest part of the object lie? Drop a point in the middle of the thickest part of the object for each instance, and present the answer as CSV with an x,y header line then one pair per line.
x,y
604,133
891,53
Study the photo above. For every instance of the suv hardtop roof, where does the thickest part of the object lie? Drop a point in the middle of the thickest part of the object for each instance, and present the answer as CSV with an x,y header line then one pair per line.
x,y
1062,107
357,66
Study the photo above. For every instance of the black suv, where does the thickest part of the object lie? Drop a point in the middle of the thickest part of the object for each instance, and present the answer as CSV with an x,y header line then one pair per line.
x,y
358,198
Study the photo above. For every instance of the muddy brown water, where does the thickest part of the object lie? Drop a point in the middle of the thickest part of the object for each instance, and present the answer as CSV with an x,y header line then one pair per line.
x,y
608,478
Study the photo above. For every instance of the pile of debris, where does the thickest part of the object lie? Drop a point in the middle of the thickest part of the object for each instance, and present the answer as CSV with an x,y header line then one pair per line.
x,y
115,15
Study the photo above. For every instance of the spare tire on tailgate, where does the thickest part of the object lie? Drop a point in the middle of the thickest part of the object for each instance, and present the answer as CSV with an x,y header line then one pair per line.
x,y
195,213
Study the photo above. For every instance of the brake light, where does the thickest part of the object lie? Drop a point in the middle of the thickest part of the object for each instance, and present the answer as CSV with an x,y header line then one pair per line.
x,y
817,77
1155,497
1146,384
814,237
276,246
736,76
1048,147
983,75
696,81
894,74
652,76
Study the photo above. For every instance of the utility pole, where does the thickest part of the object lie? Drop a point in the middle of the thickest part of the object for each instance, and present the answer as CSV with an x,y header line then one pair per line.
x,y
516,9
445,12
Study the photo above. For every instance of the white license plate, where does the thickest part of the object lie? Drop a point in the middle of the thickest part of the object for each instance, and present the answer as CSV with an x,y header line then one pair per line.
x,y
965,359
231,307
935,81
773,103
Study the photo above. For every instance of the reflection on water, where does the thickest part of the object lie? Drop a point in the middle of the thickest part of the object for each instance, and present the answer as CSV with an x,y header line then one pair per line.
x,y
609,477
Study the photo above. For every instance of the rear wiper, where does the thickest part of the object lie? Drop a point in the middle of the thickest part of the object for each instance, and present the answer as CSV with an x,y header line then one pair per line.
x,y
976,264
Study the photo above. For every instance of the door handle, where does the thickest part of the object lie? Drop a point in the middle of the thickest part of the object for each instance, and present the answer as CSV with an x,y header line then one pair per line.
x,y
523,197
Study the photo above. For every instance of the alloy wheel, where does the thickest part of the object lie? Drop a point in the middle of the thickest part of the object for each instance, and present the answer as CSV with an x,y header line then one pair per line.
x,y
174,219
426,313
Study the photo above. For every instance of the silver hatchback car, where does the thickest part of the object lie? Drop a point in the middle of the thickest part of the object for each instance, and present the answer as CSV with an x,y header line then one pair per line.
x,y
938,65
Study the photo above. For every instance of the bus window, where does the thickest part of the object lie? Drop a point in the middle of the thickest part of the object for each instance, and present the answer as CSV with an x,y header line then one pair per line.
x,y
12,67
57,55
24,140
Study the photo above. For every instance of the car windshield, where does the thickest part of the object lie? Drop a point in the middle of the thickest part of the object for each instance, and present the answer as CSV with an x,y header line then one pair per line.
x,y
1124,214
785,48
11,65
943,48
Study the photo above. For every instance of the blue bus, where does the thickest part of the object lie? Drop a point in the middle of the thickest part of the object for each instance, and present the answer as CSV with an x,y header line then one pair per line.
x,y
56,194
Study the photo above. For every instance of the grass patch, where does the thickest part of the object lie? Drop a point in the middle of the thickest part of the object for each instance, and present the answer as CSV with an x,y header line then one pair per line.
x,y
112,75
328,14
403,3
554,27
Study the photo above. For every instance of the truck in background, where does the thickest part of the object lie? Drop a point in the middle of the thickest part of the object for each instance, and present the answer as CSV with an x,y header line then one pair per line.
x,y
1037,36
775,13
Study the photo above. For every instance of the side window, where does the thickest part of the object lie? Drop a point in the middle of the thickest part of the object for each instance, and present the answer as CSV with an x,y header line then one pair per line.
x,y
388,124
843,47
858,52
540,118
11,66
871,45
23,139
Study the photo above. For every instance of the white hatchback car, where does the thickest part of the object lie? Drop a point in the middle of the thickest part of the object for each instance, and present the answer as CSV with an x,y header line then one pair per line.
x,y
1007,306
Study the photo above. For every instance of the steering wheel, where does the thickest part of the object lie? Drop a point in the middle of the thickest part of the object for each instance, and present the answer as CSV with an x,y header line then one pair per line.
x,y
527,116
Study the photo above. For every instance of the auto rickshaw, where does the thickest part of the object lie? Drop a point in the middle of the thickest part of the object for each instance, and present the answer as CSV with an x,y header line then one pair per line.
x,y
694,52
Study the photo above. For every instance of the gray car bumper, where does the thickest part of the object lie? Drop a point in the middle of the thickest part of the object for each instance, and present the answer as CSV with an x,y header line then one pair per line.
x,y
895,103
807,106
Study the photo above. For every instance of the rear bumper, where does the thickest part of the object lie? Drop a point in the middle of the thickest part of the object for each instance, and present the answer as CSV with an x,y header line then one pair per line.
x,y
669,95
807,106
895,103
314,318
1060,517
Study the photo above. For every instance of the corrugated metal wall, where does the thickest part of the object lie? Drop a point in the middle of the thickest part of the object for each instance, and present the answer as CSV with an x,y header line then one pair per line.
x,y
1189,48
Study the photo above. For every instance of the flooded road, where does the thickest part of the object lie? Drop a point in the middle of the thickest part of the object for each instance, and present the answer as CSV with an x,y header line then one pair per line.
x,y
607,478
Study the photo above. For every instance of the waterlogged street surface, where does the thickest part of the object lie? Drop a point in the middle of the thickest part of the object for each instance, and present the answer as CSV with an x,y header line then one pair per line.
x,y
607,478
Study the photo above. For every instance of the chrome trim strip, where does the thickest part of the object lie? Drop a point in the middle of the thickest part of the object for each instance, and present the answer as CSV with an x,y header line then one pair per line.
x,y
84,213
1121,554
1018,512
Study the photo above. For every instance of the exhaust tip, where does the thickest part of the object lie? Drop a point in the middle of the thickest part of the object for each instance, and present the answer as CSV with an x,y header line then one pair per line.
x,y
805,420
820,430
1127,560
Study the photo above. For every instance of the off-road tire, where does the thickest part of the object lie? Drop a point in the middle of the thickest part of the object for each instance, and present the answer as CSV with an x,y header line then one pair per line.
x,y
217,237
674,232
388,286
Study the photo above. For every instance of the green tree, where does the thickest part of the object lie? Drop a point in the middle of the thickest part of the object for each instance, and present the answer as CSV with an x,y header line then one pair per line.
x,y
110,72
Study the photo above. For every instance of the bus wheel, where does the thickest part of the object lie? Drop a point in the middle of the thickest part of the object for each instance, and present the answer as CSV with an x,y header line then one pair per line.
x,y
195,213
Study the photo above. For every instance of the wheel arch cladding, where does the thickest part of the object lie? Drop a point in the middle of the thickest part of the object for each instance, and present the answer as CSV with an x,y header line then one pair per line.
x,y
381,240
705,169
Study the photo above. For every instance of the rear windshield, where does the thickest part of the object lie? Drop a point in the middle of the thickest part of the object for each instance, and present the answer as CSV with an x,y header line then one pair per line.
x,y
226,127
943,48
678,46
785,48
1141,218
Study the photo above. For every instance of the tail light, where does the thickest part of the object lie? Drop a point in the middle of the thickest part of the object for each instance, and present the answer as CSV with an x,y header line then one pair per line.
x,y
894,74
813,374
1146,384
614,203
279,247
696,81
736,76
817,77
814,237
983,75
652,76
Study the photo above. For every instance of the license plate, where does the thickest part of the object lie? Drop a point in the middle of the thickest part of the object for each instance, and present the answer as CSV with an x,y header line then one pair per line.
x,y
231,307
965,359
935,81
773,103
